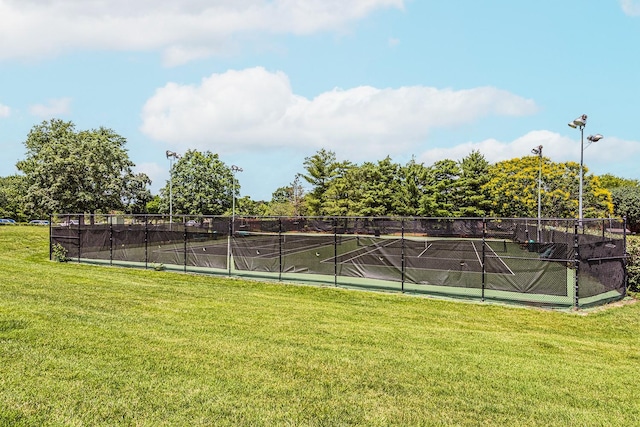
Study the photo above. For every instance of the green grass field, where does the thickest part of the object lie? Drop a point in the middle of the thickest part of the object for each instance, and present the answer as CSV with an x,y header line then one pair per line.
x,y
88,345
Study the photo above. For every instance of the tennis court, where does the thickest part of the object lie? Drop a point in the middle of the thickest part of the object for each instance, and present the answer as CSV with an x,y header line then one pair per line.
x,y
469,258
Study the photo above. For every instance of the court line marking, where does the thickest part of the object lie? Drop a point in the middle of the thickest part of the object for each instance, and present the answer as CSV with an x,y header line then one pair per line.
x,y
375,248
425,250
501,260
477,254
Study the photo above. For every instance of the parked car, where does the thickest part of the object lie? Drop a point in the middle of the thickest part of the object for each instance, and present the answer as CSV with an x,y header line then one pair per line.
x,y
39,222
7,221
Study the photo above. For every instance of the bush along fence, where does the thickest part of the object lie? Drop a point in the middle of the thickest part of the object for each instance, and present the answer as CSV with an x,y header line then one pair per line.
x,y
543,262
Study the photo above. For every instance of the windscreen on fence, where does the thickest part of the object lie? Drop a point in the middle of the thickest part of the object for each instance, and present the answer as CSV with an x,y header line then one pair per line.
x,y
544,262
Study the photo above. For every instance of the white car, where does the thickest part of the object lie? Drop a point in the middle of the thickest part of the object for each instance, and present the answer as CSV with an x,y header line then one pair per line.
x,y
39,222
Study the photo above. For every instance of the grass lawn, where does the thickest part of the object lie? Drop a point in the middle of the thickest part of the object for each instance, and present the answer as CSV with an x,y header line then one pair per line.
x,y
87,345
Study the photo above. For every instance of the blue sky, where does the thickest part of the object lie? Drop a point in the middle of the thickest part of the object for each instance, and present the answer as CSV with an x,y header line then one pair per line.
x,y
266,83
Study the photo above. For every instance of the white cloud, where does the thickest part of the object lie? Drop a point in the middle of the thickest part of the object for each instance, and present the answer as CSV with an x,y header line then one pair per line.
x,y
630,7
53,108
610,155
4,111
183,30
249,109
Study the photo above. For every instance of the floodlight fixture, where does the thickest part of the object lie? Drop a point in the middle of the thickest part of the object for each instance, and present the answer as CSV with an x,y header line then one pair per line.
x,y
579,122
537,150
595,138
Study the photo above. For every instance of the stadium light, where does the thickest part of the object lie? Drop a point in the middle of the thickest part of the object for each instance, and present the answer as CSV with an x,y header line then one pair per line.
x,y
538,152
171,155
234,169
580,123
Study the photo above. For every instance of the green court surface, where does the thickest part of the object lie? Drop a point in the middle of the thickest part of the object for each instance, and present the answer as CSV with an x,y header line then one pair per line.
x,y
439,267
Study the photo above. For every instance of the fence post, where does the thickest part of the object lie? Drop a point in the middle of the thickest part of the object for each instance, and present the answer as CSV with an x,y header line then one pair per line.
x,y
110,219
80,218
576,262
184,228
402,255
229,257
335,251
280,249
146,241
50,237
625,279
484,235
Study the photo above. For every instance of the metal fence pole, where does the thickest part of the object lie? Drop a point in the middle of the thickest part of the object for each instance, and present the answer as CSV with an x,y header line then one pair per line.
x,y
335,251
79,237
484,270
280,248
576,262
185,232
229,257
50,237
146,241
402,255
110,219
625,279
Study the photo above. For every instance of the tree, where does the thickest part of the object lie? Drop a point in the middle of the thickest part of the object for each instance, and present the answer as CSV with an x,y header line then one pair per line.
x,y
384,191
440,193
610,181
343,196
473,198
153,205
321,169
287,201
12,190
71,171
246,206
280,204
137,194
367,190
513,190
626,203
414,178
201,184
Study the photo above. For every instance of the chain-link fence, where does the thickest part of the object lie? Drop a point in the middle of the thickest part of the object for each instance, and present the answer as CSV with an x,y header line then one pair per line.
x,y
547,262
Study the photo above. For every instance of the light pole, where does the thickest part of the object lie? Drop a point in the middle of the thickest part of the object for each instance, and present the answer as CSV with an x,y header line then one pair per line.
x,y
538,151
580,123
234,169
171,155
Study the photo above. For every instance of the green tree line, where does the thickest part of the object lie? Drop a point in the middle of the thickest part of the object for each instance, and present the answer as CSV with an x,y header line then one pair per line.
x,y
89,171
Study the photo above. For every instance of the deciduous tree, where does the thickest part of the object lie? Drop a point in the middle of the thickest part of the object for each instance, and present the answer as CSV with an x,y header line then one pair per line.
x,y
626,203
513,190
201,184
12,191
75,171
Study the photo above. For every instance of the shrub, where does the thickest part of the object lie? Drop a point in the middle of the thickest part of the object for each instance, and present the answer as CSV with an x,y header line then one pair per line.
x,y
633,263
59,253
